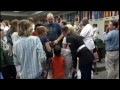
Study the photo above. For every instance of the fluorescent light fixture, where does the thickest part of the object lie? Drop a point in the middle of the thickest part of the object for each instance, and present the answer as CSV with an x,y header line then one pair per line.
x,y
16,11
37,12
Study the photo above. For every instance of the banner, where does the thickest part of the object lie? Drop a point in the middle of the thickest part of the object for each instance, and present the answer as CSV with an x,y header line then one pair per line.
x,y
90,14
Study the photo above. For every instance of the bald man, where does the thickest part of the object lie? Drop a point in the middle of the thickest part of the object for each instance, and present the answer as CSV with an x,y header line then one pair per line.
x,y
87,34
54,29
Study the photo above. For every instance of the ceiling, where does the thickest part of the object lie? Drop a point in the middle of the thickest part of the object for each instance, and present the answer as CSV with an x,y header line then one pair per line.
x,y
25,14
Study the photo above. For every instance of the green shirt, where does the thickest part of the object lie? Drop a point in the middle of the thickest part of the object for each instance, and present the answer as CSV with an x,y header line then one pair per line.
x,y
5,59
99,43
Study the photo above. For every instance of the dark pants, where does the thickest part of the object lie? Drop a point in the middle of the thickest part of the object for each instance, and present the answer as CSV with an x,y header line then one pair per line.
x,y
86,71
8,72
99,54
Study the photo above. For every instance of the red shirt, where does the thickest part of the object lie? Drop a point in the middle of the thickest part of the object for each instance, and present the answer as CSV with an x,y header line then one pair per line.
x,y
34,33
57,64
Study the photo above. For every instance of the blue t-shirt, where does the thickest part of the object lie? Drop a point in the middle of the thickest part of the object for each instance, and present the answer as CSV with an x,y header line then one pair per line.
x,y
112,40
44,39
54,31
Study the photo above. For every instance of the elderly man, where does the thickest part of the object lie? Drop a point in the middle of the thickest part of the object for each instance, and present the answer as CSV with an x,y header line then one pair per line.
x,y
54,29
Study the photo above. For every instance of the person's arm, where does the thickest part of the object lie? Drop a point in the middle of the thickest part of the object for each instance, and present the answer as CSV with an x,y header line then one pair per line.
x,y
47,45
107,36
59,38
73,52
40,52
59,33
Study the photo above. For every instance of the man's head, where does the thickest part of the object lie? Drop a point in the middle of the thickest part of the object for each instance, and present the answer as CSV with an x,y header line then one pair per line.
x,y
113,24
85,21
94,25
50,18
65,30
57,50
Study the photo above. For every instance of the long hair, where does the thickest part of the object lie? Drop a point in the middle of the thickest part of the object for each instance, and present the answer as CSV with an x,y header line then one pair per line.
x,y
14,25
25,28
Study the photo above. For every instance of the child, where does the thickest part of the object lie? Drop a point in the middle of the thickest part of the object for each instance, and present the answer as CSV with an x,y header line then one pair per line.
x,y
68,62
57,64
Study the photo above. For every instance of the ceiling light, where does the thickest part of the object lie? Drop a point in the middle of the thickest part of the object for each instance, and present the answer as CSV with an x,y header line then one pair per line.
x,y
16,11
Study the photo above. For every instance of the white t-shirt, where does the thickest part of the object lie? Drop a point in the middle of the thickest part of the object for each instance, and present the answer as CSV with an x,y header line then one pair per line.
x,y
65,42
87,33
6,29
14,37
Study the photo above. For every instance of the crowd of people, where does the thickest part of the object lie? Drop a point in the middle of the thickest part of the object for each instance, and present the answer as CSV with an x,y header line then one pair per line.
x,y
56,50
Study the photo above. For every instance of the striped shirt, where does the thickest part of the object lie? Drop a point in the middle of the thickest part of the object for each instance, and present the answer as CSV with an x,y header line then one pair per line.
x,y
28,53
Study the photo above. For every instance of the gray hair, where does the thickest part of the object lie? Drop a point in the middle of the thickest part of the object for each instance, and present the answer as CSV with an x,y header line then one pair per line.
x,y
50,15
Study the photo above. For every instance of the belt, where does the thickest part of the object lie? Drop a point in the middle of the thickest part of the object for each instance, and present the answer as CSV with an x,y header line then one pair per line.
x,y
81,47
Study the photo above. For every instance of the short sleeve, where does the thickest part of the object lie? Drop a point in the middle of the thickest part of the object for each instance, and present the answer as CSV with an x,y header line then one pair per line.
x,y
46,39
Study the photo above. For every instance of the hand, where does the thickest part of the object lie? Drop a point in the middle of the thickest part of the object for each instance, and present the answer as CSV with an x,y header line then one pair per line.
x,y
55,42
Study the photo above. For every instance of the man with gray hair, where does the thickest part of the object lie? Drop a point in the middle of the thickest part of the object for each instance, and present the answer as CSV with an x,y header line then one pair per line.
x,y
54,29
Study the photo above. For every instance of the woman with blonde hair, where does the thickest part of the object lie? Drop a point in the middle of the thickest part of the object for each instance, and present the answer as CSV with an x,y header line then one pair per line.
x,y
67,54
71,29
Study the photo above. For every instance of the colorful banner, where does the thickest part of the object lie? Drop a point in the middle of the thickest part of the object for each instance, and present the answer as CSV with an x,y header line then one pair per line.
x,y
100,14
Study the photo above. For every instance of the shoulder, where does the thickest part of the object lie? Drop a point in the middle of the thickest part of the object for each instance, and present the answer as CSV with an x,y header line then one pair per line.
x,y
17,42
57,24
15,34
33,37
88,26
